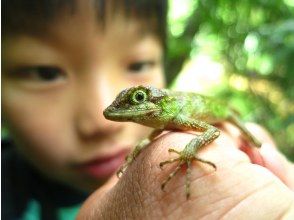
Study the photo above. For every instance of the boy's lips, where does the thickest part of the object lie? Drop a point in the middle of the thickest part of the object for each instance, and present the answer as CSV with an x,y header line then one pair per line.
x,y
103,167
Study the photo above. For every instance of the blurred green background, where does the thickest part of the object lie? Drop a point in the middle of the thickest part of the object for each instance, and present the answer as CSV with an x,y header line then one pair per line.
x,y
240,51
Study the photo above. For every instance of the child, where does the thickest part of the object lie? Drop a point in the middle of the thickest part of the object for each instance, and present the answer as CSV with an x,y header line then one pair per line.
x,y
63,63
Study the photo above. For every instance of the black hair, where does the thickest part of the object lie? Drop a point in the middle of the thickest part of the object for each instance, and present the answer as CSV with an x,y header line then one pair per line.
x,y
34,15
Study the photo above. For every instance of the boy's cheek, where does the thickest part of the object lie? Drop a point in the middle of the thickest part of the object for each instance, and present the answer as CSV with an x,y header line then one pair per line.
x,y
48,155
40,146
47,139
37,134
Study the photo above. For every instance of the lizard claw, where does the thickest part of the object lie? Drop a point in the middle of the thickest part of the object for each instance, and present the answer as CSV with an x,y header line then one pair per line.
x,y
121,170
171,150
161,165
128,160
182,162
206,162
119,173
162,187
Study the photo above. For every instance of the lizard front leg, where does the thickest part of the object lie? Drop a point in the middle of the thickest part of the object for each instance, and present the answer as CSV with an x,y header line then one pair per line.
x,y
139,147
188,154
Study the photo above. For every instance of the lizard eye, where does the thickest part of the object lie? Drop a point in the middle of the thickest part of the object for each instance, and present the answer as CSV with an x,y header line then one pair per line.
x,y
139,96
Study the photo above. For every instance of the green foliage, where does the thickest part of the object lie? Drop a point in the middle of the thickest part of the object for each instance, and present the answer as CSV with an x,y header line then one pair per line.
x,y
254,41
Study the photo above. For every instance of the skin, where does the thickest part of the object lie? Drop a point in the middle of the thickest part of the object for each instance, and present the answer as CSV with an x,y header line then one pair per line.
x,y
55,126
163,109
243,183
57,121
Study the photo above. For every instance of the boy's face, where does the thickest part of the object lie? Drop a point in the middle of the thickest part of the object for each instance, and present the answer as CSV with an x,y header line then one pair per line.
x,y
56,86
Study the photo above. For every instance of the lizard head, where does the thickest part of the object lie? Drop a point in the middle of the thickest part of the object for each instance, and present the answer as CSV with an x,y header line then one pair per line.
x,y
137,104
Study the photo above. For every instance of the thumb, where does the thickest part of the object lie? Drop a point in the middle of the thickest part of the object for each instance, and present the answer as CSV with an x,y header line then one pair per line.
x,y
278,164
269,157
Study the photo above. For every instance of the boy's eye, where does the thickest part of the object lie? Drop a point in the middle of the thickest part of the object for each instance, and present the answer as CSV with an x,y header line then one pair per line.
x,y
140,66
41,73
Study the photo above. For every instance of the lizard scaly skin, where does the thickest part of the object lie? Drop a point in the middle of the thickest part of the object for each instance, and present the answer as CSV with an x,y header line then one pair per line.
x,y
164,109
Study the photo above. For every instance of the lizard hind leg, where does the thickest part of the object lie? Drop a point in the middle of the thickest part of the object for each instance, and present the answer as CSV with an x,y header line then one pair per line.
x,y
206,162
187,156
183,161
172,174
171,150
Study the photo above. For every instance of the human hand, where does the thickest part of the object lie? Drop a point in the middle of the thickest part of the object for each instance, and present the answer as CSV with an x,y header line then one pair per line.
x,y
238,189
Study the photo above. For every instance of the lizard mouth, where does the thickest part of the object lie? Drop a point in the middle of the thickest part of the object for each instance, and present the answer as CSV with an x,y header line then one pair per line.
x,y
127,115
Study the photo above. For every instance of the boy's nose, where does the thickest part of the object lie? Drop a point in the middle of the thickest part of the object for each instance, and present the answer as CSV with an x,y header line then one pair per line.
x,y
91,121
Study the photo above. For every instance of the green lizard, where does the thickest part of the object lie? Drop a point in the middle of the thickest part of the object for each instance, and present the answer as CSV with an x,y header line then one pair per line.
x,y
164,109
